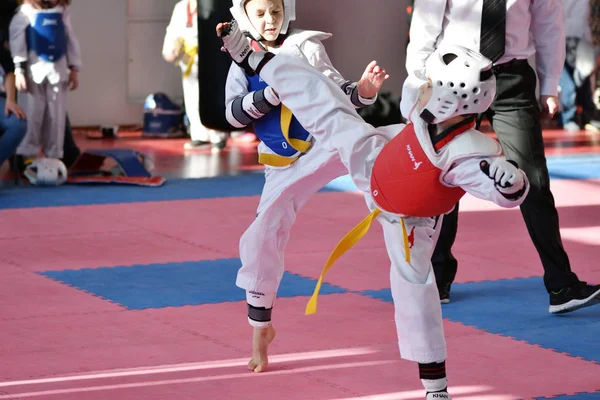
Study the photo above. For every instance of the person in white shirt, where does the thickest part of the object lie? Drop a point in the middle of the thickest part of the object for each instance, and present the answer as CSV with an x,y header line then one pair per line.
x,y
508,32
180,46
580,63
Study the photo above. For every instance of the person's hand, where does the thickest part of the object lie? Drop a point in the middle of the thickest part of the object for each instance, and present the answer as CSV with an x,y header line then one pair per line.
x,y
371,80
73,79
13,108
172,55
221,27
20,81
507,177
238,47
550,105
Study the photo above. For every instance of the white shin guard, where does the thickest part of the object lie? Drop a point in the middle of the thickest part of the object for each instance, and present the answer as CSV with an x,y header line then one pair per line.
x,y
260,306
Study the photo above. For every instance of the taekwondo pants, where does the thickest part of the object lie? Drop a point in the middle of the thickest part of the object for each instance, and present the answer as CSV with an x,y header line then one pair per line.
x,y
285,192
327,113
46,118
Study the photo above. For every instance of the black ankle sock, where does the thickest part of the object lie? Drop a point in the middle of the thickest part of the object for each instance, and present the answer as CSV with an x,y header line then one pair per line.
x,y
432,371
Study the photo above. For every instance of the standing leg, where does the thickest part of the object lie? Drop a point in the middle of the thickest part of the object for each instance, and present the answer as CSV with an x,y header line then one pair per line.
x,y
263,244
418,312
53,133
568,98
585,97
70,150
516,120
36,110
191,94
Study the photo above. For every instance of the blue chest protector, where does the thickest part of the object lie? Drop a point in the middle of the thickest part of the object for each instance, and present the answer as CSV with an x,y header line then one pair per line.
x,y
47,36
268,128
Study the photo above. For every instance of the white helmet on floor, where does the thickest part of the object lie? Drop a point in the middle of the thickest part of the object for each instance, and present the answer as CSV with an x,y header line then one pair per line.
x,y
46,172
462,83
239,13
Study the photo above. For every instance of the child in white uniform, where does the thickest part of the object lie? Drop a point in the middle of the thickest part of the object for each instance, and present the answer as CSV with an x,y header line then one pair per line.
x,y
47,59
180,46
296,166
409,173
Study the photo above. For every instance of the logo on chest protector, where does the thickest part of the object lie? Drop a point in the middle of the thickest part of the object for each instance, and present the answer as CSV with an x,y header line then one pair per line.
x,y
412,157
49,22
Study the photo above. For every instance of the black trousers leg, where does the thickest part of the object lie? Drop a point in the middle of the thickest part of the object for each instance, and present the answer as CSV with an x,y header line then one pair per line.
x,y
516,119
70,149
445,265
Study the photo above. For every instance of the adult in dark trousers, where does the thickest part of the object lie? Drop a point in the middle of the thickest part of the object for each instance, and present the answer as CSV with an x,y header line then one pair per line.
x,y
501,30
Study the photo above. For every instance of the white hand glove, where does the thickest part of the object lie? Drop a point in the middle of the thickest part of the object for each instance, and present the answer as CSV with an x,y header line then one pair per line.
x,y
236,44
508,178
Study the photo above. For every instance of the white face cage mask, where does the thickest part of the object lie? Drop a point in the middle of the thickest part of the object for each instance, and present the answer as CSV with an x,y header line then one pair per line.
x,y
46,172
462,83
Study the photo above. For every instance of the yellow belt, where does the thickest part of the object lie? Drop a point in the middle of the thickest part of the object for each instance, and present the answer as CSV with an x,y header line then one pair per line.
x,y
346,244
191,52
300,145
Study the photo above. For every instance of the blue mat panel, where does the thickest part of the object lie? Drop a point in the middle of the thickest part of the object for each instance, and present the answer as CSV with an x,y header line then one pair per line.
x,y
579,396
578,166
175,284
518,308
174,189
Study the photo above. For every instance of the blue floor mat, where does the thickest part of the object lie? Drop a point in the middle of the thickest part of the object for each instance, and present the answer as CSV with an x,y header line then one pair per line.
x,y
175,284
580,396
578,166
518,308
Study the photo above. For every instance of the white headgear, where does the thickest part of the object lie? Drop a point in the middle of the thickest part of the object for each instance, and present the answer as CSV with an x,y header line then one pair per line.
x,y
462,83
46,172
239,13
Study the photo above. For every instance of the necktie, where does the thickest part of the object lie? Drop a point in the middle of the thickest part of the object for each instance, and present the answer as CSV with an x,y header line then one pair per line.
x,y
595,21
493,29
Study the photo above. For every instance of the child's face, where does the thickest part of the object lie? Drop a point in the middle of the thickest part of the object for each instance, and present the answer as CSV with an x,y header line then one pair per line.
x,y
266,16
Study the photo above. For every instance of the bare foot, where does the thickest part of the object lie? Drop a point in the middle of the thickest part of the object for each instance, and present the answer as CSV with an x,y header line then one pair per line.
x,y
261,339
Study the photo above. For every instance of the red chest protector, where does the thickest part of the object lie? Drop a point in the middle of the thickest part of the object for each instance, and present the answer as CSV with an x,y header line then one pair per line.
x,y
404,181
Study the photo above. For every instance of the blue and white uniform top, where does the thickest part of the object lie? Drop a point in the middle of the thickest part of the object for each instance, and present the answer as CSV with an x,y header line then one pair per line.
x,y
43,41
251,100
